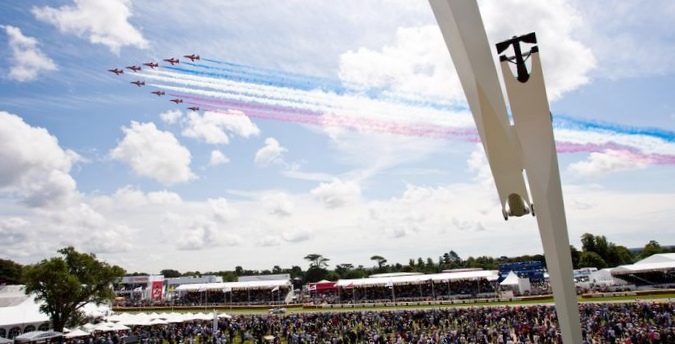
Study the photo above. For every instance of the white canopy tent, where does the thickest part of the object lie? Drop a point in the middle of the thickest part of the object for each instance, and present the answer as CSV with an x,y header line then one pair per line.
x,y
656,262
513,281
76,333
19,311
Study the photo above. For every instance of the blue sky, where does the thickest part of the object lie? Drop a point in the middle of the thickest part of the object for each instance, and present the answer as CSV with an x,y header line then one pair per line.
x,y
337,129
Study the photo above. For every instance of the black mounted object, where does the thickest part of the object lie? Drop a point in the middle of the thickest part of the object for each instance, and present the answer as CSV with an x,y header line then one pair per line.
x,y
518,58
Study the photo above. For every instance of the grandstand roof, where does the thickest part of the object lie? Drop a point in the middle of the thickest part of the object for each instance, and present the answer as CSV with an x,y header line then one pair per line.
x,y
234,285
490,275
657,262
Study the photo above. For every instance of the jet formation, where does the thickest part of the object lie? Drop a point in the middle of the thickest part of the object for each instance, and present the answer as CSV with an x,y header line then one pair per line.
x,y
154,65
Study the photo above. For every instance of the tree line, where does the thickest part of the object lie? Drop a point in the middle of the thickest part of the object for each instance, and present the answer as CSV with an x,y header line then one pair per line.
x,y
596,251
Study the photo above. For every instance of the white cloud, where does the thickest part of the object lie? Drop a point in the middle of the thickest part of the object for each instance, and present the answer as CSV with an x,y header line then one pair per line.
x,y
384,151
27,60
34,167
293,235
13,231
337,193
418,61
82,226
171,116
130,197
479,165
423,211
103,22
628,32
416,64
222,210
610,161
154,154
214,127
277,203
566,61
272,153
218,158
297,235
197,232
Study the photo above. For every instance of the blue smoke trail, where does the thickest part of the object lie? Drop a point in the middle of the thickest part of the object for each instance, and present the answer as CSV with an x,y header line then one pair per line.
x,y
302,82
573,123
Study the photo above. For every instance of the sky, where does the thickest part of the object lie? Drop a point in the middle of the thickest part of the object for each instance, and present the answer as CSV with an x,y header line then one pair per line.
x,y
332,128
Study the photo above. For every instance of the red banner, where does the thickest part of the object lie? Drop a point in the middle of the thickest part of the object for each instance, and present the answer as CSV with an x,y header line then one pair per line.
x,y
157,287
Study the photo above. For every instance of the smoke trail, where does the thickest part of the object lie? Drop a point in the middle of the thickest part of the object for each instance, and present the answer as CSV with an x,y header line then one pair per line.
x,y
573,123
287,97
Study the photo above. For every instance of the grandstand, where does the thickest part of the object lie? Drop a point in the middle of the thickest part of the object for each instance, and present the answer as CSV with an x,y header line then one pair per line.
x,y
656,271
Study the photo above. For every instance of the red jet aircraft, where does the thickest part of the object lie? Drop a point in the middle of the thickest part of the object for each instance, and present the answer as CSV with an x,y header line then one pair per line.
x,y
116,71
138,83
152,65
172,61
134,68
194,108
177,101
159,93
192,57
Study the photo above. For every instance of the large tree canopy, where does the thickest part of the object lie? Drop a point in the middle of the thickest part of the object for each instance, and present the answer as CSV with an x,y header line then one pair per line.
x,y
10,272
65,284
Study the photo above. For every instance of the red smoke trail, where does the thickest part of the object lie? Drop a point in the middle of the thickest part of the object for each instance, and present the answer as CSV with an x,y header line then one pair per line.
x,y
334,120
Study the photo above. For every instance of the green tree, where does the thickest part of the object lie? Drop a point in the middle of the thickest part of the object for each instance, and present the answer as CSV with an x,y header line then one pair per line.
x,y
170,273
612,254
591,260
65,284
588,242
619,255
317,267
380,262
652,248
575,257
343,269
317,261
10,272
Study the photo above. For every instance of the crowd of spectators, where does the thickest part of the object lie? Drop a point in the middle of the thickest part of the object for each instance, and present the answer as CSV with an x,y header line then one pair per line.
x,y
615,323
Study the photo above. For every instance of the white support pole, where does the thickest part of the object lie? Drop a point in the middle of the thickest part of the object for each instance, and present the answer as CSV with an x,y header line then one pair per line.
x,y
532,118
529,146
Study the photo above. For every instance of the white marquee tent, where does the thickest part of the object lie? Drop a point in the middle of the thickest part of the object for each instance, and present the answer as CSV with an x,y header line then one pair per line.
x,y
656,262
18,310
512,280
22,312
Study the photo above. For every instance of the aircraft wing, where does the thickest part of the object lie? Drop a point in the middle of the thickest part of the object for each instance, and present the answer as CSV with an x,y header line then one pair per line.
x,y
477,72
